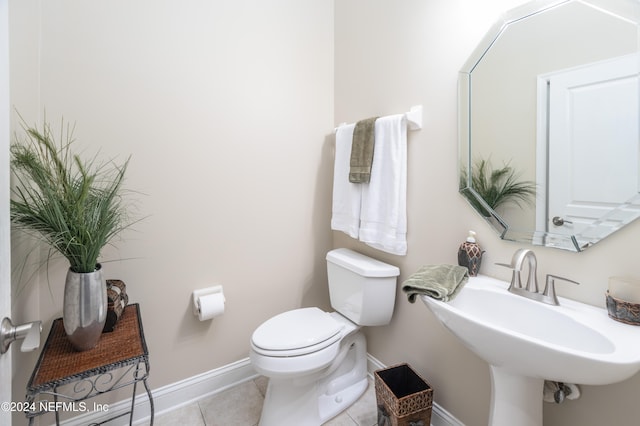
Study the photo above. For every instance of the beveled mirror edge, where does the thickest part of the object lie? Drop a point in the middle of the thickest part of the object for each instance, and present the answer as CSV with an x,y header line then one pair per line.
x,y
508,17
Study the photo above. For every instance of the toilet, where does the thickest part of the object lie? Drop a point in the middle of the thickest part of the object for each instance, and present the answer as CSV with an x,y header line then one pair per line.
x,y
316,361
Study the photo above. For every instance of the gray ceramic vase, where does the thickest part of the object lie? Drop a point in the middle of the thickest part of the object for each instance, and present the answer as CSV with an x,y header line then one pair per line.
x,y
85,308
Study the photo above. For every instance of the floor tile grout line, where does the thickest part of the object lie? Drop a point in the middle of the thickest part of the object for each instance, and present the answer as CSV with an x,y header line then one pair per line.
x,y
258,386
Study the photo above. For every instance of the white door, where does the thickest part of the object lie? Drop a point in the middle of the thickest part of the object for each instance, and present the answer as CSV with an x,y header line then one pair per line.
x,y
5,263
593,149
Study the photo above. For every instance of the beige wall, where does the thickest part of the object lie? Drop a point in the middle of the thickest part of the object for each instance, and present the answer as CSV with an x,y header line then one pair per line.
x,y
389,56
227,109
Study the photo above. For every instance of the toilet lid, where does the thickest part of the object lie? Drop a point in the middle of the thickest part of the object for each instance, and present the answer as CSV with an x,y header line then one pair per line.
x,y
297,329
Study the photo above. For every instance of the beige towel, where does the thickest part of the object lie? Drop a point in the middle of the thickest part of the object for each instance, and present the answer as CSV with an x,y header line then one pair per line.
x,y
441,282
362,151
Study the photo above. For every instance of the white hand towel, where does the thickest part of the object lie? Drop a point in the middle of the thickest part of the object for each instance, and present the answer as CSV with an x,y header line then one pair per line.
x,y
383,216
346,195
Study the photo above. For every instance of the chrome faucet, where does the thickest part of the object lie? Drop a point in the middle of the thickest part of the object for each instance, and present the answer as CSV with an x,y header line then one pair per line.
x,y
518,259
516,267
530,290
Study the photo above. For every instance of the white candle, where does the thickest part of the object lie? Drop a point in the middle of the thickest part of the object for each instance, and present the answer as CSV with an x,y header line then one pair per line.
x,y
626,289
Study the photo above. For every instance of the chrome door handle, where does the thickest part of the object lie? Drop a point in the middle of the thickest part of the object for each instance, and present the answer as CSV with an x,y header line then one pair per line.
x,y
558,221
30,332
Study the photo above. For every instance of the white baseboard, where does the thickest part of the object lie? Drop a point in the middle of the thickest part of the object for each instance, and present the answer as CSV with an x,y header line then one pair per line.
x,y
175,395
192,389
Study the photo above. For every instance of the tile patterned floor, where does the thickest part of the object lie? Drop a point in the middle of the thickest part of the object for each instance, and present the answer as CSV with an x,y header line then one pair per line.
x,y
241,406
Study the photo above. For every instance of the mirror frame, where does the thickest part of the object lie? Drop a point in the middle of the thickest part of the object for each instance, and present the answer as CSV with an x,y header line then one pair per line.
x,y
629,9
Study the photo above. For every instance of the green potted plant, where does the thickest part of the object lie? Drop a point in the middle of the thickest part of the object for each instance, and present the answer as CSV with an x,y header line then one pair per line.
x,y
76,207
496,186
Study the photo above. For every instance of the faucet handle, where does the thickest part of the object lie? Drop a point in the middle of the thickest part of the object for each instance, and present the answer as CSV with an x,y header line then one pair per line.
x,y
556,277
550,288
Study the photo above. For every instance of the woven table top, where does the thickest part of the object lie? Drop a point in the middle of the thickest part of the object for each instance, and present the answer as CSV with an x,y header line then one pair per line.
x,y
59,362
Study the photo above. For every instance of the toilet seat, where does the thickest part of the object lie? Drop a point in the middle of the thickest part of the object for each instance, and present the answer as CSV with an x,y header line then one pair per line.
x,y
297,332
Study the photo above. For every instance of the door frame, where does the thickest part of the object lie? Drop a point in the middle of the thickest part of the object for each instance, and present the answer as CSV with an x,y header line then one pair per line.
x,y
5,246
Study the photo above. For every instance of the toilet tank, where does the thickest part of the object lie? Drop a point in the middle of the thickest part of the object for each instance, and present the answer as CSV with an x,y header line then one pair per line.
x,y
361,288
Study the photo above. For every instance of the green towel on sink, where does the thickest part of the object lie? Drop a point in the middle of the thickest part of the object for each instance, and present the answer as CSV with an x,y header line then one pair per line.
x,y
442,282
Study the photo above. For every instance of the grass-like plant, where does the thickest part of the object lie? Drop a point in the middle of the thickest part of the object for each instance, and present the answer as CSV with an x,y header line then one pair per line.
x,y
73,205
497,186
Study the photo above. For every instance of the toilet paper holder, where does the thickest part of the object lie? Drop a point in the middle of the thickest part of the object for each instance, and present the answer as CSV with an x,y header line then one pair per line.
x,y
197,294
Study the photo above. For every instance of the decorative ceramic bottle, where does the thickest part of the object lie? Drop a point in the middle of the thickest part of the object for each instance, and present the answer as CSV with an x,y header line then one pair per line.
x,y
470,254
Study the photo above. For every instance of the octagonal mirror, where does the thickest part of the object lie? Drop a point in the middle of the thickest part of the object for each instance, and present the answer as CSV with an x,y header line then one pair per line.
x,y
549,122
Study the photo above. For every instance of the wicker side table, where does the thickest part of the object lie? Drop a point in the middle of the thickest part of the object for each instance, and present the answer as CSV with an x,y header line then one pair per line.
x,y
120,359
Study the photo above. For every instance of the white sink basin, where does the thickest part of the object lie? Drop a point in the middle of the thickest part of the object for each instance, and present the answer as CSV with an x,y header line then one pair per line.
x,y
526,342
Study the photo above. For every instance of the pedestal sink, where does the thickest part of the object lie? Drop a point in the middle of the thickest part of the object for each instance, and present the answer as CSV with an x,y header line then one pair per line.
x,y
526,342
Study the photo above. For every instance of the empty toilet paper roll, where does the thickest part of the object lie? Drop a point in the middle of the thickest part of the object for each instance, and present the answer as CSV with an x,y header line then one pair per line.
x,y
210,305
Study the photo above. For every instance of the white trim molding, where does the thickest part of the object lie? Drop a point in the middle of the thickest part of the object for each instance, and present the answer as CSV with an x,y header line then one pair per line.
x,y
174,395
201,386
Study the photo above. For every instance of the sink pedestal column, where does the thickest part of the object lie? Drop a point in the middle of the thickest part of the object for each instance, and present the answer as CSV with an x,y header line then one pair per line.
x,y
515,399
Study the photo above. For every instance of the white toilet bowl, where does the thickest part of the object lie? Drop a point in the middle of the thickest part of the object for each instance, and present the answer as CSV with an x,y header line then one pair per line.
x,y
316,361
309,385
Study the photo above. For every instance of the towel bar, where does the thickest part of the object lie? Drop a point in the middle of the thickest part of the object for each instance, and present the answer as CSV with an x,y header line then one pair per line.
x,y
414,118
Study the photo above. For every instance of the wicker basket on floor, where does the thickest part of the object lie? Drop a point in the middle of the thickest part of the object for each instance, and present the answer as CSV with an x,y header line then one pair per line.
x,y
403,397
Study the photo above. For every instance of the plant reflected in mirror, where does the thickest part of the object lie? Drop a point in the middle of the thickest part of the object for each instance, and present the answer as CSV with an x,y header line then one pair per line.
x,y
496,186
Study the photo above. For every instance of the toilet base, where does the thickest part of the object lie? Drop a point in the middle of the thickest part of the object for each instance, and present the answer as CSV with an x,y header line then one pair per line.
x,y
332,405
314,399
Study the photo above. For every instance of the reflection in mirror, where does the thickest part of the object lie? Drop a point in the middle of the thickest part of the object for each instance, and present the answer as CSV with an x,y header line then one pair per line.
x,y
548,108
